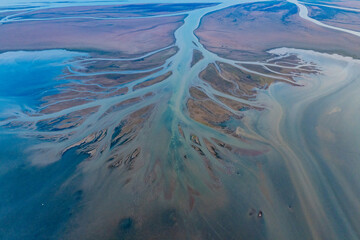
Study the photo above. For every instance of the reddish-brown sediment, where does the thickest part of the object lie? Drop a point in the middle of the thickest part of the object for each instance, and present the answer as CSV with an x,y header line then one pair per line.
x,y
129,128
212,149
67,121
181,131
69,98
246,32
89,143
212,76
345,3
112,79
150,62
235,105
89,88
241,84
128,161
206,111
130,37
152,81
246,81
112,11
109,39
335,17
74,93
124,104
56,107
84,88
233,81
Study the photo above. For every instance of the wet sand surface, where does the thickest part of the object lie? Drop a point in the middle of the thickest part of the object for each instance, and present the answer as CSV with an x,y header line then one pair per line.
x,y
238,32
351,4
349,18
210,130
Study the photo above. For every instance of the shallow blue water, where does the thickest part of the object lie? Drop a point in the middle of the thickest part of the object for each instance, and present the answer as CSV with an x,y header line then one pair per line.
x,y
26,77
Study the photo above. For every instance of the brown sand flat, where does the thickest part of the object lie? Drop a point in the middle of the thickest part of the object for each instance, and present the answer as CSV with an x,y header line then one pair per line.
x,y
129,37
335,17
247,31
123,10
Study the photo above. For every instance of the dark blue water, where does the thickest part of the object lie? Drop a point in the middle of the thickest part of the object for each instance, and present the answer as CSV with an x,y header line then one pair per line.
x,y
34,202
